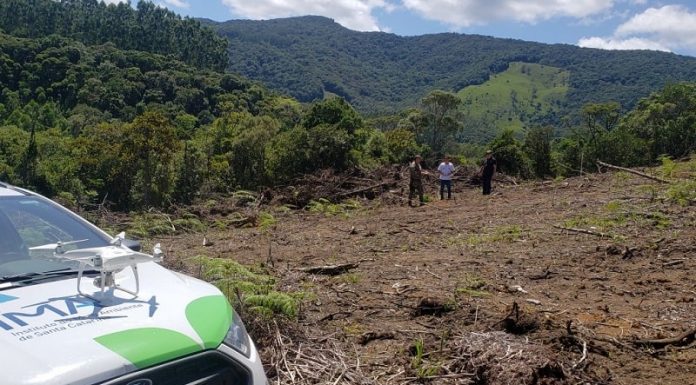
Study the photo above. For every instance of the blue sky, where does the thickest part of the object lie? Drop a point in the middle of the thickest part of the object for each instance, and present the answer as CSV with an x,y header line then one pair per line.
x,y
610,24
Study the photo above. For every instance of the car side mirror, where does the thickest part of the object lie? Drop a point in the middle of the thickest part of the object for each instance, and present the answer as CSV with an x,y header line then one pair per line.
x,y
132,244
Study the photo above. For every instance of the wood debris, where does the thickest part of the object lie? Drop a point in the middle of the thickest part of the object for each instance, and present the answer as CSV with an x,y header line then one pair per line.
x,y
331,269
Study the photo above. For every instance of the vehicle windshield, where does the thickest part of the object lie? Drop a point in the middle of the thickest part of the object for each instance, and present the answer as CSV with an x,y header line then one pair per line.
x,y
34,232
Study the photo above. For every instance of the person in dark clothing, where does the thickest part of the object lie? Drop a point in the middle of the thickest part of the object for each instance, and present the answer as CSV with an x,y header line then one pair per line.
x,y
415,185
488,169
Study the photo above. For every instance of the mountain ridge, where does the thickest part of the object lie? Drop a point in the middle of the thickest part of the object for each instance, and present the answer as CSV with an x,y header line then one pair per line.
x,y
380,72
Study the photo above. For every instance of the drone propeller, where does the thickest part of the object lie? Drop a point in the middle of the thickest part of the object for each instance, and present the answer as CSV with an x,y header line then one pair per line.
x,y
56,247
157,252
118,239
108,258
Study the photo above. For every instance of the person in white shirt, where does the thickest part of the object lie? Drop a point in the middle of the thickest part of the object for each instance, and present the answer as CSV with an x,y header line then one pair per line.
x,y
446,170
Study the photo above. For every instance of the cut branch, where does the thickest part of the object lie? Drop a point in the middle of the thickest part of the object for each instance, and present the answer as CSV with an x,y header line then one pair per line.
x,y
331,269
582,231
680,340
365,189
607,165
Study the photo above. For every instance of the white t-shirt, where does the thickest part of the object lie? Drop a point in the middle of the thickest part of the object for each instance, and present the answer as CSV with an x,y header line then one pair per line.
x,y
446,170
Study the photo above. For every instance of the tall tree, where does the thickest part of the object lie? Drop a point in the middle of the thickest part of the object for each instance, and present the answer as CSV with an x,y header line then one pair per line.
x,y
537,146
439,119
600,118
666,120
509,153
30,158
149,147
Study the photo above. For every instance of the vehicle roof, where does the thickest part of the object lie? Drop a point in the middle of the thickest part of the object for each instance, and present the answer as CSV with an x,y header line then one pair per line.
x,y
7,190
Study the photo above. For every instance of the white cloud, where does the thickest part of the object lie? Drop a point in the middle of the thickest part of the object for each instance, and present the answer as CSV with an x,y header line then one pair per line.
x,y
353,14
668,28
114,1
670,20
465,13
177,3
621,44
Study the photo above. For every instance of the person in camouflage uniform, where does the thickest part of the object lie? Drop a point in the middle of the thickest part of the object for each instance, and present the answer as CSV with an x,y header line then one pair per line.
x,y
415,185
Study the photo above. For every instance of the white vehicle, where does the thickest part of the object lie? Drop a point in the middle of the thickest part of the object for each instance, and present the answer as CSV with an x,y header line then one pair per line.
x,y
78,306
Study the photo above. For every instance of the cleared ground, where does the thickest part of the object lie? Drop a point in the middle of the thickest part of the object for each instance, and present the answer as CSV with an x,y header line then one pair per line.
x,y
428,277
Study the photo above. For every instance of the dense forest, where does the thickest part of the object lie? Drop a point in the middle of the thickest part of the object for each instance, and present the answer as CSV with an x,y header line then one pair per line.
x,y
308,57
92,121
150,28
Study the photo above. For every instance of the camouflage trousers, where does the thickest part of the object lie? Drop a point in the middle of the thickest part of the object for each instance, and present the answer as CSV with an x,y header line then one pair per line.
x,y
415,187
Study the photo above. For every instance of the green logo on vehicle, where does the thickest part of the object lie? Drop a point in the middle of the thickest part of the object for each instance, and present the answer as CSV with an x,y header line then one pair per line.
x,y
210,317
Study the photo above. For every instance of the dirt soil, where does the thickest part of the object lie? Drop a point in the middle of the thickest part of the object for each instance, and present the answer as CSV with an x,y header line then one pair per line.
x,y
485,264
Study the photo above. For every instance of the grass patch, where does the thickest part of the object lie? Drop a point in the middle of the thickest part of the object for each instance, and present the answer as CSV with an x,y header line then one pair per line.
x,y
596,222
509,99
507,233
471,285
500,234
354,329
621,176
349,278
422,369
613,206
618,215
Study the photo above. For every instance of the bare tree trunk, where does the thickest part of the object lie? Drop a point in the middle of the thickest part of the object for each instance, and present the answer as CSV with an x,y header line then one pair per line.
x,y
607,165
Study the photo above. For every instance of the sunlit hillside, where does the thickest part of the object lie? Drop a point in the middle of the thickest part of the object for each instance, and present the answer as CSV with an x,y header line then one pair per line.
x,y
525,94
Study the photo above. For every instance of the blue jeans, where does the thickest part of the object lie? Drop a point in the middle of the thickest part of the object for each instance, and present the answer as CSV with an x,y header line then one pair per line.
x,y
444,183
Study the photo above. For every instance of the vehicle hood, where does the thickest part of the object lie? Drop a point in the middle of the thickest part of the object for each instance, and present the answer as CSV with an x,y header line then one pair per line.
x,y
49,334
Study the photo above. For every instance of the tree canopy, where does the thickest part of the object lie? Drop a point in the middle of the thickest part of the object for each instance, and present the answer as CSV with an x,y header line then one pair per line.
x,y
147,28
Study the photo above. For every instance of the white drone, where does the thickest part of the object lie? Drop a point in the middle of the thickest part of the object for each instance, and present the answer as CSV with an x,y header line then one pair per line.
x,y
107,260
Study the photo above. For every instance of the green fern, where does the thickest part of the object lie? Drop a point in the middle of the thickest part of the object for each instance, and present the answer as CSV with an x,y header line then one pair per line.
x,y
683,193
266,220
668,166
244,196
324,206
276,302
244,287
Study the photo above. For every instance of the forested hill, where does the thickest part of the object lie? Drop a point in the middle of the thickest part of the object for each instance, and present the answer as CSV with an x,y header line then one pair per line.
x,y
381,72
88,112
147,28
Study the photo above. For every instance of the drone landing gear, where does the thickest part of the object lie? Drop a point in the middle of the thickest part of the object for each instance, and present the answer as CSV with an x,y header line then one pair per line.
x,y
106,282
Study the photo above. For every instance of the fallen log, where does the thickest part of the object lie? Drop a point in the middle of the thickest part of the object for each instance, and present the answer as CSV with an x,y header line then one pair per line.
x,y
680,340
506,179
365,189
331,269
607,165
673,263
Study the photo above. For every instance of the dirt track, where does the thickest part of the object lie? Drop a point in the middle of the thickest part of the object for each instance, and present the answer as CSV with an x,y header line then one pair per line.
x,y
477,256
